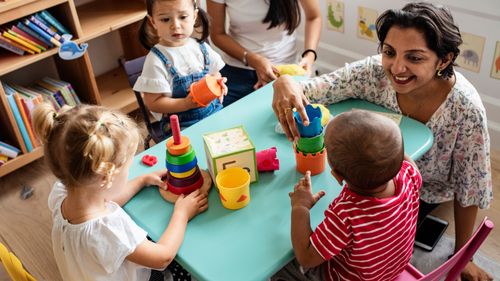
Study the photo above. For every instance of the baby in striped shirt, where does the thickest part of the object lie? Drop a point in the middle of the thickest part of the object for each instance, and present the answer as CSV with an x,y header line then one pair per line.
x,y
369,229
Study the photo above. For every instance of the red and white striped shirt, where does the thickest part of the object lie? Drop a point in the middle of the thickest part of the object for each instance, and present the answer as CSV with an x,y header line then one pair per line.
x,y
368,238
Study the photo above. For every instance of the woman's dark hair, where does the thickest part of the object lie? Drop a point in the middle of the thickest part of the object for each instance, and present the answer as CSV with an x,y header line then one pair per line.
x,y
147,34
436,23
283,12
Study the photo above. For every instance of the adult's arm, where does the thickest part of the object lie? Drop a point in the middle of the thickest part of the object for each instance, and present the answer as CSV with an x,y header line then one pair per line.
x,y
218,35
312,31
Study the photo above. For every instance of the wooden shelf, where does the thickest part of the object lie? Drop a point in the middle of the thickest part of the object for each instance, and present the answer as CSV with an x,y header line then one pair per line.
x,y
116,92
20,161
15,9
102,16
10,62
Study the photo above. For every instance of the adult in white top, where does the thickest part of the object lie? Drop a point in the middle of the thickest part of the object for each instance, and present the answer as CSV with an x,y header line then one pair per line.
x,y
261,33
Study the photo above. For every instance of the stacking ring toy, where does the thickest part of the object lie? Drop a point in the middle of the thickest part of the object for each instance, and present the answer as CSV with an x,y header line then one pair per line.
x,y
178,149
185,190
181,159
183,182
182,168
184,174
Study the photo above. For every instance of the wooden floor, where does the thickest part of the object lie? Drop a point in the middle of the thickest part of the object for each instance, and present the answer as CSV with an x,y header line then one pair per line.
x,y
25,225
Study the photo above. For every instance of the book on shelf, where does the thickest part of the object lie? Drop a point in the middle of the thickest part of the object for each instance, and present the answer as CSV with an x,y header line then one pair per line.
x,y
9,150
10,93
67,86
20,41
57,86
30,31
27,50
7,44
35,40
3,159
53,21
34,19
40,32
25,116
25,39
57,96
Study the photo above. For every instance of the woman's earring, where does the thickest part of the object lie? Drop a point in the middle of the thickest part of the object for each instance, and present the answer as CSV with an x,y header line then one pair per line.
x,y
439,73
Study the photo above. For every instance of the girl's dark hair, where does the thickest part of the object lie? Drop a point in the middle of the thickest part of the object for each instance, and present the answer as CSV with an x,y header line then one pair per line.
x,y
283,12
436,23
147,34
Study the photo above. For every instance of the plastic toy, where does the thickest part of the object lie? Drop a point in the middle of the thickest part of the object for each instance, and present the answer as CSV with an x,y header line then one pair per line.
x,y
290,69
149,160
230,148
205,90
267,161
310,153
183,176
325,113
69,50
234,187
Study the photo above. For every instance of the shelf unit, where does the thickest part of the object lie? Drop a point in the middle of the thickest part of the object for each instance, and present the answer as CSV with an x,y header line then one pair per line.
x,y
86,22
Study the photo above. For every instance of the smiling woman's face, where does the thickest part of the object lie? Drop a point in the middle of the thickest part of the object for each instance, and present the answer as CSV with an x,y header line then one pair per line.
x,y
408,63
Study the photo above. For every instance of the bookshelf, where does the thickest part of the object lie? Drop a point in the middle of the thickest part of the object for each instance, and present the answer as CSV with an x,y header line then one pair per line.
x,y
86,22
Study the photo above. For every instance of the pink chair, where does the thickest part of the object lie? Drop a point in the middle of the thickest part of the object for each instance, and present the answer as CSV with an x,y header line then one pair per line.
x,y
452,267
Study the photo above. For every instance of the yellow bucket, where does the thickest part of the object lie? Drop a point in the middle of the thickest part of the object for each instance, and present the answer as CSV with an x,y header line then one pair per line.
x,y
234,187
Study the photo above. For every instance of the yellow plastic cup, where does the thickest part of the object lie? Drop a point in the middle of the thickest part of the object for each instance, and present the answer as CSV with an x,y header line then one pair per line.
x,y
234,187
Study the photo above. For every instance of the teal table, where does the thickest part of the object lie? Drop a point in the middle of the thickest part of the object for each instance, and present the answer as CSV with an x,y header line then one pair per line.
x,y
254,242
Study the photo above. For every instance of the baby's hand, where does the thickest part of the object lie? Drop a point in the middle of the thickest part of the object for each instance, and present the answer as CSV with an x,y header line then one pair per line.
x,y
191,205
222,82
302,196
155,178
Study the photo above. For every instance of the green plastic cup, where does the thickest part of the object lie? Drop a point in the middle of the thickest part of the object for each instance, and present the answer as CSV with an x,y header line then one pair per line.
x,y
311,145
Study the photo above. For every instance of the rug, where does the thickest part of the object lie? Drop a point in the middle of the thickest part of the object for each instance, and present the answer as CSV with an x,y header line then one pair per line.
x,y
428,261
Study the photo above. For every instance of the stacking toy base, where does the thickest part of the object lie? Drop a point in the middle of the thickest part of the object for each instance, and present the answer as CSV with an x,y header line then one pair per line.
x,y
207,184
312,162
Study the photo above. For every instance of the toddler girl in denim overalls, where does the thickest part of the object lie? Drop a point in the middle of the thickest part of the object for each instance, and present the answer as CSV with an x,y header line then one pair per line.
x,y
176,61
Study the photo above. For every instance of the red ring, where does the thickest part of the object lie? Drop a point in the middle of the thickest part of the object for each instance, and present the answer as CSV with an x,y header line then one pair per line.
x,y
185,190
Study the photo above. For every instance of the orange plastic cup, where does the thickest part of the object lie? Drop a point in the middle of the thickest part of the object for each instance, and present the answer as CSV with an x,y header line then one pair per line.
x,y
205,90
314,162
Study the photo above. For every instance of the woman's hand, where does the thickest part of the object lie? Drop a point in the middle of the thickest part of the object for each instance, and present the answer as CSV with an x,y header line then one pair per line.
x,y
192,204
302,196
307,62
288,94
155,178
266,72
472,272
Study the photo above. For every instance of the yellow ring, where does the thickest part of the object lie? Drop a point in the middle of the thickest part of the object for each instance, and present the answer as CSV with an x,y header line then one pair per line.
x,y
184,174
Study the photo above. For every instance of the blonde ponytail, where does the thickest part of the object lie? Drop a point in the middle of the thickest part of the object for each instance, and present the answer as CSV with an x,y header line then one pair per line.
x,y
44,117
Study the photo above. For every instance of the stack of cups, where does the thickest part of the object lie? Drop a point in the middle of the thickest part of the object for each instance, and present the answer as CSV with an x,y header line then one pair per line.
x,y
310,153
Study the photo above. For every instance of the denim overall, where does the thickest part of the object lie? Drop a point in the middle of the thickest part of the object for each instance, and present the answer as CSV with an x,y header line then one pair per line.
x,y
180,89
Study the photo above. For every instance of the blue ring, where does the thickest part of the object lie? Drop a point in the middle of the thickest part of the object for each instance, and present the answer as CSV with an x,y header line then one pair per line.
x,y
181,168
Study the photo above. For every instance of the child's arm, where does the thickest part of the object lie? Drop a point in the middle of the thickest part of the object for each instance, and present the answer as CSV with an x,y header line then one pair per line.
x,y
159,255
408,158
163,104
122,195
302,201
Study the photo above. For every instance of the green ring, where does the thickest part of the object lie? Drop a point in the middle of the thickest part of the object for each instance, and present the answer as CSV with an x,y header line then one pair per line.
x,y
181,159
311,145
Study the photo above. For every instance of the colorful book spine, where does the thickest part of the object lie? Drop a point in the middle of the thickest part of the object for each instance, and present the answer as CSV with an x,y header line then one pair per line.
x,y
3,159
8,46
8,150
21,32
40,32
27,50
29,31
21,42
17,116
24,117
67,86
54,87
45,28
20,36
54,22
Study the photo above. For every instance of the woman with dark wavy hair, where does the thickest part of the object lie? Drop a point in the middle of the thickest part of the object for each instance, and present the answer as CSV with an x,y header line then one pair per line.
x,y
260,34
414,75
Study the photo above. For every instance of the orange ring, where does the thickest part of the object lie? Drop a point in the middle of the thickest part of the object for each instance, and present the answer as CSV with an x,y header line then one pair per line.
x,y
178,149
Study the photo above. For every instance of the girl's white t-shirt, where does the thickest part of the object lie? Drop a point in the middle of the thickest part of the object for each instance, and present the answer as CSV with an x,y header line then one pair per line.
x,y
96,249
246,28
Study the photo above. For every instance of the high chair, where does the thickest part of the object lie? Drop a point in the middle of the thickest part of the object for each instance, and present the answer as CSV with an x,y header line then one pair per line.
x,y
452,267
13,266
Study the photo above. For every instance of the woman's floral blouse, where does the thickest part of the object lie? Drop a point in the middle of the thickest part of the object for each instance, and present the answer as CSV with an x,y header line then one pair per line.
x,y
458,162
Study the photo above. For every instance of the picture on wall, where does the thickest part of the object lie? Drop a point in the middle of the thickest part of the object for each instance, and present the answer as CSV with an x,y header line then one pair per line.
x,y
335,15
495,66
366,23
471,52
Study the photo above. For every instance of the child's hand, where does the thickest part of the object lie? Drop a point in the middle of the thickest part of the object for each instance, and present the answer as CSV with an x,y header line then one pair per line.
x,y
222,82
306,63
190,103
302,193
191,205
155,178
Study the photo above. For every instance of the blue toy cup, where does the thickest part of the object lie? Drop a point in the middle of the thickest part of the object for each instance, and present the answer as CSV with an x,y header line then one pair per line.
x,y
314,128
